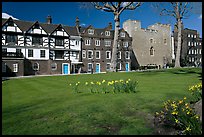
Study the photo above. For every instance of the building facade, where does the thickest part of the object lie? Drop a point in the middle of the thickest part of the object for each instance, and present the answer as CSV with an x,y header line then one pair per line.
x,y
33,48
97,49
151,46
191,47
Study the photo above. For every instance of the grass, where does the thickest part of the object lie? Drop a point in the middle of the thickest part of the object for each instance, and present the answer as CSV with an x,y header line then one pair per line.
x,y
47,105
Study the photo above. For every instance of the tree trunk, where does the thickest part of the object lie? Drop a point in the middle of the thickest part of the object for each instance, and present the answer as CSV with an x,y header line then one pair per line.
x,y
178,51
115,44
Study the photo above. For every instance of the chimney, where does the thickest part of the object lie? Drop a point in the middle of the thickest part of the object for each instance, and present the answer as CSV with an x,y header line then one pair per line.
x,y
110,25
49,19
77,22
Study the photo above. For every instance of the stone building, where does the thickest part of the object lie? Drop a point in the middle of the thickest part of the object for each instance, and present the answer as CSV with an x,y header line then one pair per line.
x,y
151,46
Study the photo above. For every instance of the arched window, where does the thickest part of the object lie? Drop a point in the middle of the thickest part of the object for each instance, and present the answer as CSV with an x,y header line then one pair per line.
x,y
36,66
152,51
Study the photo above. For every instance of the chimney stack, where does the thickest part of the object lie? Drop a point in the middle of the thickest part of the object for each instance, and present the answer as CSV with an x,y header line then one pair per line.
x,y
77,22
49,19
110,25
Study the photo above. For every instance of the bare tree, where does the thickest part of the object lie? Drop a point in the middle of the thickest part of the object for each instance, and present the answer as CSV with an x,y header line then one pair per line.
x,y
116,8
179,11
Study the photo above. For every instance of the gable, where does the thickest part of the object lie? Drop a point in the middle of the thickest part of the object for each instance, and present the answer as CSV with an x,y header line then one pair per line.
x,y
36,28
60,31
10,26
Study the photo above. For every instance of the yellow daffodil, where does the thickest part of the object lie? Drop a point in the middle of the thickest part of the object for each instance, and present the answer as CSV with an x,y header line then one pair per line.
x,y
86,83
174,113
176,120
184,98
103,81
188,128
70,84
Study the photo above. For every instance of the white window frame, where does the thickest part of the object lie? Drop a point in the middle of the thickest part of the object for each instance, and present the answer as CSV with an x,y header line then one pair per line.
x,y
200,60
91,54
88,42
109,53
90,31
98,54
107,65
127,52
55,64
195,44
83,54
89,69
107,33
189,35
122,34
195,52
200,51
125,44
192,59
107,43
97,42
15,67
192,51
189,52
194,36
189,59
119,53
38,68
189,43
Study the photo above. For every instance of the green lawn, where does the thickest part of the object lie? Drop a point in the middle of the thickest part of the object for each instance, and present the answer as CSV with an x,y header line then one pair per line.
x,y
47,105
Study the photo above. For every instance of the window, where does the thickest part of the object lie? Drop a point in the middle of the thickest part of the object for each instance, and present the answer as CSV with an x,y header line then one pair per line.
x,y
189,52
192,59
54,66
87,42
107,43
37,40
36,66
107,33
42,53
189,43
108,66
84,54
90,31
11,38
192,51
90,54
200,43
97,42
97,53
4,50
30,53
151,40
189,35
152,51
189,59
195,44
194,36
122,34
200,51
3,67
77,42
108,54
119,54
125,44
200,59
59,42
192,44
90,66
165,41
127,55
119,66
195,52
15,67
18,51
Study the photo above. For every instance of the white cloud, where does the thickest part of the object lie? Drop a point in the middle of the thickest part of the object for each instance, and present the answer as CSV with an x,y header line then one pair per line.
x,y
124,4
6,16
83,24
200,17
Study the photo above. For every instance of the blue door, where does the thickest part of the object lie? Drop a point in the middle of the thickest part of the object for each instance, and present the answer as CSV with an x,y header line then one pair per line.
x,y
97,68
65,69
127,66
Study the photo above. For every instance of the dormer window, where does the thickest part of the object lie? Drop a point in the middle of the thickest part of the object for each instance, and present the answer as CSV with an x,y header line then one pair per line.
x,y
90,31
37,40
107,33
122,34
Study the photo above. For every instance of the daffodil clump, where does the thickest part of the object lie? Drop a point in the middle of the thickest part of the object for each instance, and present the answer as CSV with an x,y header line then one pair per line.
x,y
179,115
196,91
104,86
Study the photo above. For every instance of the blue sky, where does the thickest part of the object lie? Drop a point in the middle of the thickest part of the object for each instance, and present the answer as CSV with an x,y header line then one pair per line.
x,y
66,12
